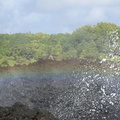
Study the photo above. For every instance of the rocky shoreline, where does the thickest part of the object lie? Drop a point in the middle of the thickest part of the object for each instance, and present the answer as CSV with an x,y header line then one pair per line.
x,y
67,63
84,92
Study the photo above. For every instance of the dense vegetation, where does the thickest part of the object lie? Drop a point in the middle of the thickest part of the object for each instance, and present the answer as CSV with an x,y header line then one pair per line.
x,y
88,42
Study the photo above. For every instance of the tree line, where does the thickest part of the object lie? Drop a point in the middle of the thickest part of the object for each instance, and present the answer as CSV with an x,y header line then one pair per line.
x,y
93,42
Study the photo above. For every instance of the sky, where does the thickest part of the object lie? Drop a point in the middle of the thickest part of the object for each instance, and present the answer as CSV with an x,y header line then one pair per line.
x,y
55,16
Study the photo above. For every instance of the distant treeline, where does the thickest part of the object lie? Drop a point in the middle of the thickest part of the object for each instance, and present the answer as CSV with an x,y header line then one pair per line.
x,y
88,42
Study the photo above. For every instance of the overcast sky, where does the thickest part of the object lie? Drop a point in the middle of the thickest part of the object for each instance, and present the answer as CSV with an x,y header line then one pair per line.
x,y
55,16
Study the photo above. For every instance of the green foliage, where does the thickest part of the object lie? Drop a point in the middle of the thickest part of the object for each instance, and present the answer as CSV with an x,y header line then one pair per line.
x,y
4,62
90,51
88,42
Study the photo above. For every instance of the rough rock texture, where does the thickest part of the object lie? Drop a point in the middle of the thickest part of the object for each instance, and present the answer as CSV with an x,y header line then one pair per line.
x,y
21,112
81,93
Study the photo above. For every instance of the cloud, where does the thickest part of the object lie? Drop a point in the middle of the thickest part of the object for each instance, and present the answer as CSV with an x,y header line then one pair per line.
x,y
8,4
67,4
95,15
55,16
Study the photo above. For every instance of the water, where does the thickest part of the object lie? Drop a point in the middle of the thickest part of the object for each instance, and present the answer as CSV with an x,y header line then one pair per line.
x,y
73,93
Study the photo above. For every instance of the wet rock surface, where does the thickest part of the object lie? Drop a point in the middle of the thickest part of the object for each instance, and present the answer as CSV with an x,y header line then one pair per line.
x,y
19,111
81,94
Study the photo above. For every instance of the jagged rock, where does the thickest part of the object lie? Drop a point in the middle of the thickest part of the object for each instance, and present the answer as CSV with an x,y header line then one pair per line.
x,y
21,112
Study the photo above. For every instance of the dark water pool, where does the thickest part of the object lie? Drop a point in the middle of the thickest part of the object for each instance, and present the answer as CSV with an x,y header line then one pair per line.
x,y
77,93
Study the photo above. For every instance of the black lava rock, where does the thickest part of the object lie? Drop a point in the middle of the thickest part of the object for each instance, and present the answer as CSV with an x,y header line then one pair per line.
x,y
19,111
